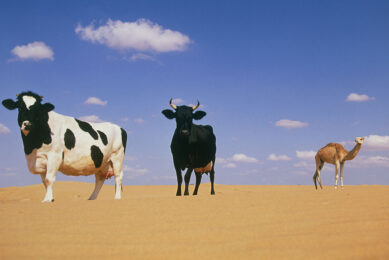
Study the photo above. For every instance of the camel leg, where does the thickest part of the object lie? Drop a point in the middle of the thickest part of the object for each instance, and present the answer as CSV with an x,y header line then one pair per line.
x,y
336,174
319,178
341,174
316,176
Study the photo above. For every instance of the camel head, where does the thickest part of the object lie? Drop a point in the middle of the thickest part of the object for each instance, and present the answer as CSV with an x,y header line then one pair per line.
x,y
359,140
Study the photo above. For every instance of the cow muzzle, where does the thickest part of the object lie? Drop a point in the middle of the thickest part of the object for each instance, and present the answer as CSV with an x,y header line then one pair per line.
x,y
26,127
185,132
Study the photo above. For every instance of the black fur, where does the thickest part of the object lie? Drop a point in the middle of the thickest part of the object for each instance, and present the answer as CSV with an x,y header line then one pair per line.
x,y
103,137
192,146
37,115
87,128
97,155
124,138
70,139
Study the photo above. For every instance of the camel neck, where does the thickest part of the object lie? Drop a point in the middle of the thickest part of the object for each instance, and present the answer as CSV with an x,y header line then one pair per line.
x,y
351,155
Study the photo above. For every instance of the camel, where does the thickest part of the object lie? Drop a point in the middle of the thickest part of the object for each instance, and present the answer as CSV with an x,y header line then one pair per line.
x,y
336,154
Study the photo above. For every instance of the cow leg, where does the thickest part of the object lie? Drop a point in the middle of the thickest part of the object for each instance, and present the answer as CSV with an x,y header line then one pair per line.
x,y
53,163
118,172
212,178
99,183
198,181
187,179
179,181
43,177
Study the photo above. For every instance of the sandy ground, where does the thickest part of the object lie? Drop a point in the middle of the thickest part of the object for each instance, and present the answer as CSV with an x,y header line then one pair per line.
x,y
150,222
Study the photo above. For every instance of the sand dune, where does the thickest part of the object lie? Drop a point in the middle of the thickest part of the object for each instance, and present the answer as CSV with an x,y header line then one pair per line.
x,y
150,222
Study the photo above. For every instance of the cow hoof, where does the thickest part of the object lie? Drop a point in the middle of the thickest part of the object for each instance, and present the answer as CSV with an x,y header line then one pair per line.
x,y
45,201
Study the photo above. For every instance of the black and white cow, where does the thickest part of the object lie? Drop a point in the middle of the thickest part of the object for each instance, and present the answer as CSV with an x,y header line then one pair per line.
x,y
54,142
193,146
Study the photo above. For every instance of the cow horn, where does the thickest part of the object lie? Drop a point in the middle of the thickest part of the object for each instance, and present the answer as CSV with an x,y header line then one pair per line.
x,y
41,96
196,106
17,95
172,105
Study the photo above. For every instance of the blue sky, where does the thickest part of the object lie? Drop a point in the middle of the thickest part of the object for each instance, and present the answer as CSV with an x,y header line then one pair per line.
x,y
278,80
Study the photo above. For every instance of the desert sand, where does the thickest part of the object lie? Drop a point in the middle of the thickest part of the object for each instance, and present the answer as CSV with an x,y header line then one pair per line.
x,y
239,222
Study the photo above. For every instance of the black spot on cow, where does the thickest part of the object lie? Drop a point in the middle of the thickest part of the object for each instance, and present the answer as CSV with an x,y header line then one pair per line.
x,y
103,137
63,155
124,138
97,155
87,128
70,139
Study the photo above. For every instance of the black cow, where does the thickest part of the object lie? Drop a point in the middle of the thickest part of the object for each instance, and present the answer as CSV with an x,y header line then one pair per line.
x,y
193,146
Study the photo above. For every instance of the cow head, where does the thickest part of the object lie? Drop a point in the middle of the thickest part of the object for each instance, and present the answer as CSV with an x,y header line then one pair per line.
x,y
184,117
32,114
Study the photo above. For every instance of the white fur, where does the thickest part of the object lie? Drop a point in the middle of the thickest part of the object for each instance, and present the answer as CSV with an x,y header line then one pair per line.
x,y
29,101
77,161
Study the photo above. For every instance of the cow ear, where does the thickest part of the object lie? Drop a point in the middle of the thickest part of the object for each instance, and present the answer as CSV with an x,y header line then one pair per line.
x,y
198,115
47,107
169,113
9,104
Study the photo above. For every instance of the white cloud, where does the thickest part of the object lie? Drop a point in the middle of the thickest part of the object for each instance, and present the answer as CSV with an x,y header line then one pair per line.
x,y
4,129
225,163
240,157
139,120
91,118
177,101
164,178
291,124
8,172
229,165
306,155
95,101
300,172
370,161
34,50
221,160
130,158
141,56
354,97
376,143
141,35
307,164
132,172
274,157
231,162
